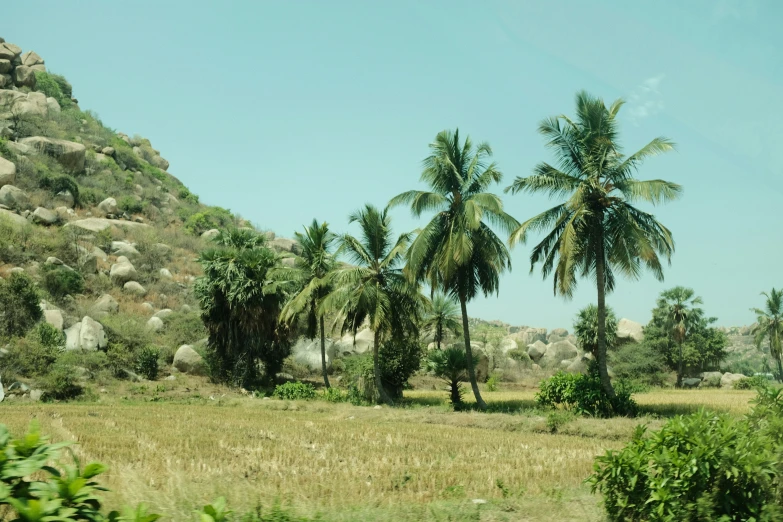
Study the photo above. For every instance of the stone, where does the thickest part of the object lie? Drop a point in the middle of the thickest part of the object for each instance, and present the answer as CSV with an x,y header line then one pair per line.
x,y
5,66
44,216
557,352
187,360
85,335
9,51
148,307
108,206
165,273
31,58
157,161
536,350
121,248
35,395
627,329
13,197
134,288
691,382
100,254
55,261
52,105
710,379
162,249
88,263
163,314
307,352
122,272
24,76
108,151
209,235
286,245
13,218
67,153
7,172
728,379
105,305
362,343
54,318
93,224
155,324
185,309
578,365
64,198
506,345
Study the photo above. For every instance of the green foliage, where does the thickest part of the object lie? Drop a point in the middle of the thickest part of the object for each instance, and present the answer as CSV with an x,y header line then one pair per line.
x,y
60,282
54,86
186,195
751,383
334,395
704,466
130,205
639,363
586,328
19,308
441,318
147,363
29,357
493,382
295,391
57,184
361,378
451,365
556,419
60,384
48,335
399,359
584,395
207,219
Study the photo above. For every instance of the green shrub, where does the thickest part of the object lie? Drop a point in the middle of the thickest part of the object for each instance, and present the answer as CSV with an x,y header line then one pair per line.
x,y
399,359
334,395
493,382
584,395
519,354
19,304
212,217
54,86
451,365
556,419
28,357
48,335
60,282
60,384
130,205
640,363
147,363
57,184
186,195
704,466
295,391
751,383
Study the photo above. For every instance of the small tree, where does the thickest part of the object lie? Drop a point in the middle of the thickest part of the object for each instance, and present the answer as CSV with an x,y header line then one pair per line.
x,y
586,328
451,365
441,318
19,308
770,326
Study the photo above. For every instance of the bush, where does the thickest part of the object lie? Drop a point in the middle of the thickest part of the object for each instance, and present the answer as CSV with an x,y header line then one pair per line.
x,y
451,365
751,383
130,205
29,357
295,391
334,395
212,217
399,359
60,384
639,363
19,304
58,184
54,86
704,466
493,382
60,282
147,363
584,395
519,354
48,335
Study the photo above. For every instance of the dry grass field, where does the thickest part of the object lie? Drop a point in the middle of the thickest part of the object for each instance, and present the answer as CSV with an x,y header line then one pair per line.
x,y
342,462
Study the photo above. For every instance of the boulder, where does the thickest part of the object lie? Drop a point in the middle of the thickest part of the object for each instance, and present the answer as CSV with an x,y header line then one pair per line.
x,y
108,151
85,335
52,105
578,365
88,263
710,379
69,154
134,288
148,307
506,345
163,314
209,235
121,248
536,350
105,305
557,352
286,245
728,379
44,216
9,51
31,58
187,360
108,206
162,249
100,254
13,197
93,224
362,343
556,335
13,218
165,273
5,66
627,329
7,172
24,76
54,318
691,382
157,161
54,261
155,324
64,199
122,272
307,352
6,81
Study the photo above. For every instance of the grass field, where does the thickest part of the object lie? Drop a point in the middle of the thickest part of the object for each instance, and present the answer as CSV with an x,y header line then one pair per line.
x,y
342,462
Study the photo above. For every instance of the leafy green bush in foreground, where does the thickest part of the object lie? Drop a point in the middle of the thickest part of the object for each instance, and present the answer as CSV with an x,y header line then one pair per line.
x,y
294,391
584,395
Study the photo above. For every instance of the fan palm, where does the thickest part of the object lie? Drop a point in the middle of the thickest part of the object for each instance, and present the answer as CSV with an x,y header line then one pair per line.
x,y
770,326
373,288
586,328
441,317
597,230
311,271
451,365
457,251
682,315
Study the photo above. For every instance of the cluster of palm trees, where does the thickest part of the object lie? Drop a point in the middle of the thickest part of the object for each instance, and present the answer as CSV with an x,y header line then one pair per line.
x,y
464,247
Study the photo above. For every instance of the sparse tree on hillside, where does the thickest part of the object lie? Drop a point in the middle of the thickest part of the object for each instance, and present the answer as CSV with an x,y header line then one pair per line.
x,y
311,273
457,251
597,231
19,305
682,315
770,326
373,288
441,318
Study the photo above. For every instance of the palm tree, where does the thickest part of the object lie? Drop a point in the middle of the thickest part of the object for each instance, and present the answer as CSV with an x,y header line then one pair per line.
x,y
441,317
682,315
597,230
770,326
451,365
311,271
374,288
457,251
586,328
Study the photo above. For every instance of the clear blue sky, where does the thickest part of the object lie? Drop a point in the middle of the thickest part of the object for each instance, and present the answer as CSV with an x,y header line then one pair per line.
x,y
286,111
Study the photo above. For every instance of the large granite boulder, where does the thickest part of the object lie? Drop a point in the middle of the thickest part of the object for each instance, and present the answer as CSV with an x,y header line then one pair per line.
x,y
9,51
710,379
728,379
54,318
13,197
211,234
134,288
24,76
307,352
286,245
14,219
105,305
94,224
187,360
557,352
122,248
362,343
69,154
7,172
536,350
108,206
627,329
44,216
87,334
31,58
122,271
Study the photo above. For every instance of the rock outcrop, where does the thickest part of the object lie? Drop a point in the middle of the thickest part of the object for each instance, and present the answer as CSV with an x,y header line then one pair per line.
x,y
87,334
69,154
187,360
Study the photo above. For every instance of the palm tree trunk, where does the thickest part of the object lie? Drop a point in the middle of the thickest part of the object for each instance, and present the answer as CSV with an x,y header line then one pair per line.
x,y
600,276
323,353
469,353
439,334
679,367
376,368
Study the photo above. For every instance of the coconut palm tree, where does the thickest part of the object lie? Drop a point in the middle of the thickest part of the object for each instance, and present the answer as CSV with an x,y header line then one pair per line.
x,y
682,315
597,230
373,288
311,271
457,251
770,326
441,317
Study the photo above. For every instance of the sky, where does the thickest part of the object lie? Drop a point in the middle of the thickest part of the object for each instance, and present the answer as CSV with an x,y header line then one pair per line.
x,y
287,111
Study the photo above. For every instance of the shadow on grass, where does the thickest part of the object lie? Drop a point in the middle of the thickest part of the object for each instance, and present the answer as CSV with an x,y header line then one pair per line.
x,y
670,410
509,406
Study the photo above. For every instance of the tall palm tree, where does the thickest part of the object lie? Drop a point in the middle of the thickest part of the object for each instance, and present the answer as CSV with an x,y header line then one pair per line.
x,y
457,251
374,288
770,326
597,230
441,317
311,271
682,315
